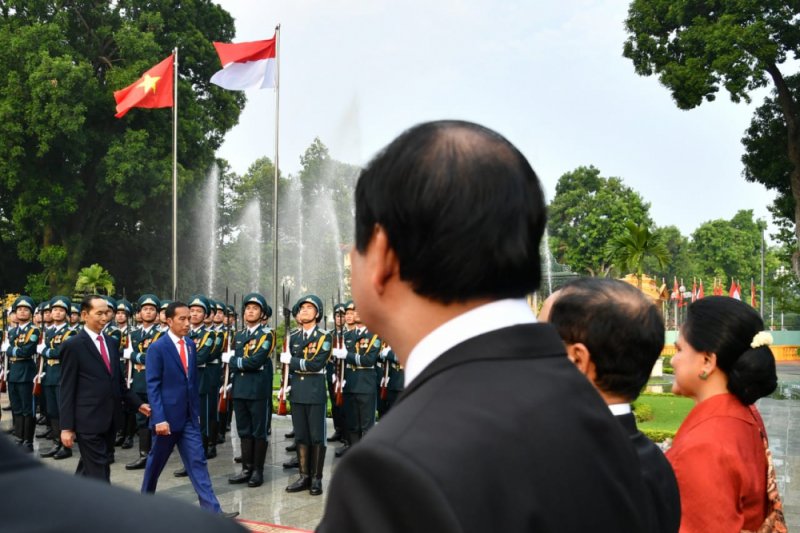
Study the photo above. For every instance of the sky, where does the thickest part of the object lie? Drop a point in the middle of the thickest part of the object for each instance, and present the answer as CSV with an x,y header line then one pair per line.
x,y
548,75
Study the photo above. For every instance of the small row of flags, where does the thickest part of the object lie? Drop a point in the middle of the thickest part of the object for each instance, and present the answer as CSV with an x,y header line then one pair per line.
x,y
698,291
249,65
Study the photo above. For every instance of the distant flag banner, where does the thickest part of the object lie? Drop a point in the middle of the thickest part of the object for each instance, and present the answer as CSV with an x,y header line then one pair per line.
x,y
700,292
735,292
752,293
153,89
694,290
249,65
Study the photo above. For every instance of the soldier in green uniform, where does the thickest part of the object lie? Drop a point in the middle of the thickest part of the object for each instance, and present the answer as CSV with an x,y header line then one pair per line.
x,y
54,337
252,388
217,427
162,316
122,319
396,377
21,347
360,380
337,412
45,323
310,350
141,341
349,335
75,317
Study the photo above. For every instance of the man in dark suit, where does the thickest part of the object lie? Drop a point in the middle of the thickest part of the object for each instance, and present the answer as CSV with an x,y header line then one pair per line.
x,y
175,400
449,219
76,504
92,391
614,335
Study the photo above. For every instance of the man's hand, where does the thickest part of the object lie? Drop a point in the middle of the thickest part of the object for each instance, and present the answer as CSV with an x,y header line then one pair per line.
x,y
162,428
286,358
67,437
145,409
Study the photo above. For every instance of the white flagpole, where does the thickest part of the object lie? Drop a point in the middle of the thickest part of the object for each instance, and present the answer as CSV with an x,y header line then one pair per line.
x,y
276,309
175,176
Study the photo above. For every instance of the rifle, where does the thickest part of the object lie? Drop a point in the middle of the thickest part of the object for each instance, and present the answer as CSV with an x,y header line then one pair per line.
x,y
4,336
385,379
128,363
222,405
339,399
37,380
287,313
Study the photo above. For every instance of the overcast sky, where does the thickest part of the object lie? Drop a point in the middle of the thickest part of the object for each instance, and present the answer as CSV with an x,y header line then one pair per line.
x,y
549,75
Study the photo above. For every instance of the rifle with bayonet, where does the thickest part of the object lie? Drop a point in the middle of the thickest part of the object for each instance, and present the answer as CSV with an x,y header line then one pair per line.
x,y
3,337
37,380
287,313
222,405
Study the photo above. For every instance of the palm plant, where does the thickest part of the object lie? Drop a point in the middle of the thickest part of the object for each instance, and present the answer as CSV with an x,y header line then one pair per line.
x,y
92,279
629,250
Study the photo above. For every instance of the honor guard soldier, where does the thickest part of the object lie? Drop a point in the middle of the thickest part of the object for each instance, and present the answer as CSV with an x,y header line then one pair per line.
x,y
122,321
337,411
51,352
361,387
111,328
162,316
252,388
310,350
149,305
214,373
75,317
226,329
200,309
20,348
395,380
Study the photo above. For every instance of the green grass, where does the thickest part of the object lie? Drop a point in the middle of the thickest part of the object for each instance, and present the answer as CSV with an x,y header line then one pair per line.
x,y
669,412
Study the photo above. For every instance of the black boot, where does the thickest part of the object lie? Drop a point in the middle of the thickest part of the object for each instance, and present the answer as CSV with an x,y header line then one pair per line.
x,y
144,449
56,441
290,435
260,456
304,481
318,462
19,429
46,433
292,447
29,428
294,462
247,462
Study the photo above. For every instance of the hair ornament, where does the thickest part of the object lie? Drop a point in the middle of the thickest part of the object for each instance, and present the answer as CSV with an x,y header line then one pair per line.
x,y
762,338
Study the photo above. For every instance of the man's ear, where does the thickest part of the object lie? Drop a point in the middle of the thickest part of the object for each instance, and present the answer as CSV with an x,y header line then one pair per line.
x,y
579,354
382,259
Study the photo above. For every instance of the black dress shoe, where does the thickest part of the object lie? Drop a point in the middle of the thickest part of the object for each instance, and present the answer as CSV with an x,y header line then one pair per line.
x,y
120,440
292,463
237,459
180,473
63,453
49,453
127,443
46,434
212,452
292,447
316,487
138,464
302,483
232,514
289,435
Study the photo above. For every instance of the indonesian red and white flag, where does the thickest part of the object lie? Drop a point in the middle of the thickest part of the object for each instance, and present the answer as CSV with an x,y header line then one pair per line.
x,y
250,65
700,292
735,292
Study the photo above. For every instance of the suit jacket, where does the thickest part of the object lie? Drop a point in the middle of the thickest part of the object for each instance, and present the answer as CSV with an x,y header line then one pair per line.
x,y
91,398
109,508
499,433
658,476
172,393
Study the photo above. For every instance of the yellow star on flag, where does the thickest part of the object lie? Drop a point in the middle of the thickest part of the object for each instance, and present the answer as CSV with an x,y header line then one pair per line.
x,y
149,83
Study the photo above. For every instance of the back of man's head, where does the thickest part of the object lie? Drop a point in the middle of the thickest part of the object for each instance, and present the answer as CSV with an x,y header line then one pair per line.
x,y
621,328
462,209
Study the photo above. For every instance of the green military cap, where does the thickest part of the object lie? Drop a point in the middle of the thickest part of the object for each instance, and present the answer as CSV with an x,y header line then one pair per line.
x,y
124,305
350,305
149,299
219,306
61,301
112,303
37,309
45,306
230,311
255,298
338,309
74,308
198,300
312,299
23,301
164,305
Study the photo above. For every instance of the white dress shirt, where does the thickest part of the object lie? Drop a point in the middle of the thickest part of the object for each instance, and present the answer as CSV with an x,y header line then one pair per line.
x,y
488,317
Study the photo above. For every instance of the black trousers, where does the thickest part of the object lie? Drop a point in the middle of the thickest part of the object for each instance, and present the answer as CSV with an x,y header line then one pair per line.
x,y
251,418
21,397
308,422
94,449
50,392
359,412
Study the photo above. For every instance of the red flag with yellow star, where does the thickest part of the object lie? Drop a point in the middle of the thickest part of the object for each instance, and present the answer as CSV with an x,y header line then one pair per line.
x,y
153,89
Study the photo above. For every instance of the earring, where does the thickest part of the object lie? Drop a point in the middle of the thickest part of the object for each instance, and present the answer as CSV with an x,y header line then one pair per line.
x,y
703,376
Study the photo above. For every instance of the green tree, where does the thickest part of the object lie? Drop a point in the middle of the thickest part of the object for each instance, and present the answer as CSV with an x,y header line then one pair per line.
x,y
93,279
629,250
680,261
588,211
71,174
695,47
728,249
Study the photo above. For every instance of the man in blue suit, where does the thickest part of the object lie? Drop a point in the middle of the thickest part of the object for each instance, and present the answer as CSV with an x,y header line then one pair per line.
x,y
175,408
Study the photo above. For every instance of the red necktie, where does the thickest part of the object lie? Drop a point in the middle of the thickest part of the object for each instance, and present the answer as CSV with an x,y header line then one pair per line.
x,y
104,353
183,356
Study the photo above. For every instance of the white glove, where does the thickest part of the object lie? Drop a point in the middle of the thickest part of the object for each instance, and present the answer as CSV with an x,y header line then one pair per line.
x,y
40,348
384,352
286,358
40,376
226,357
339,353
127,352
6,345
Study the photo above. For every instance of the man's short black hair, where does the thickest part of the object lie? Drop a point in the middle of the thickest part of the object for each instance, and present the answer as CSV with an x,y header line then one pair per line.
x,y
169,312
86,303
462,209
622,329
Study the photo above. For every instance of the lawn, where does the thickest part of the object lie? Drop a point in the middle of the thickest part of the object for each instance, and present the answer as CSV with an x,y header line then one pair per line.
x,y
668,412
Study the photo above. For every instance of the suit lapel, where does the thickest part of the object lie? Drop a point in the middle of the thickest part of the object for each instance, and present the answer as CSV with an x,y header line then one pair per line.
x,y
89,341
526,341
177,356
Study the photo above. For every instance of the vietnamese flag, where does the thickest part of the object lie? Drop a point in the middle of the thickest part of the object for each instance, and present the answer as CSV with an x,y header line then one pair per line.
x,y
153,89
249,65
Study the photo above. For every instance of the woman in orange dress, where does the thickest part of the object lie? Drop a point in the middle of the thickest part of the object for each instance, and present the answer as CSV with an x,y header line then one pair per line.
x,y
724,363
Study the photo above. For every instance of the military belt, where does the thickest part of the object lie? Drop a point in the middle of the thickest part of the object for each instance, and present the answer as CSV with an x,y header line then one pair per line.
x,y
310,373
214,362
19,359
201,366
353,367
51,362
138,367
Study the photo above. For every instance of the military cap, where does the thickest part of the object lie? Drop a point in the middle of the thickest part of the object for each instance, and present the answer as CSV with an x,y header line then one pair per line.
x,y
45,306
219,306
74,308
338,308
230,311
124,305
198,300
149,299
23,301
256,298
313,300
62,302
350,305
164,305
112,303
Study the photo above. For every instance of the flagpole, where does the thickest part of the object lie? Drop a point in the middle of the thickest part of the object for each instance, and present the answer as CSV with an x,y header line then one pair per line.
x,y
276,311
175,177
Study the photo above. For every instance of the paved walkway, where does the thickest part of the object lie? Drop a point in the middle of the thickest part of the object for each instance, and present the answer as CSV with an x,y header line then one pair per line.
x,y
270,508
